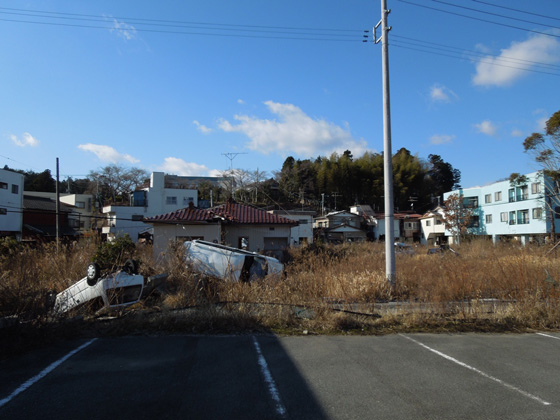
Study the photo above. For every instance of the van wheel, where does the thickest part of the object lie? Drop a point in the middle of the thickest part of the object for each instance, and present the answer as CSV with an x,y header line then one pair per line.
x,y
131,266
92,274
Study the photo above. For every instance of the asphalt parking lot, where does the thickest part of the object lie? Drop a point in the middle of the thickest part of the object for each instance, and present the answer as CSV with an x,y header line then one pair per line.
x,y
402,376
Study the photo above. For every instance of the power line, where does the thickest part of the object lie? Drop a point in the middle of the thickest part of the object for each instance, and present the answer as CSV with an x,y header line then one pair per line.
x,y
235,30
480,19
480,61
179,21
476,54
516,10
493,14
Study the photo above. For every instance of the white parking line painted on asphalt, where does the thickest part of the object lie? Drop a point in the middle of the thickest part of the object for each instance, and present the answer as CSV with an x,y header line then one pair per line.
x,y
549,336
269,380
43,373
452,359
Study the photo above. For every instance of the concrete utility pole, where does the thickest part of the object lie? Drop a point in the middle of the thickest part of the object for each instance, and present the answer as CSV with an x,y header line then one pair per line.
x,y
390,267
57,209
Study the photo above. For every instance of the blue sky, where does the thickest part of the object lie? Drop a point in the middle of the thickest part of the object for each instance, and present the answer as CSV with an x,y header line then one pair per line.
x,y
173,86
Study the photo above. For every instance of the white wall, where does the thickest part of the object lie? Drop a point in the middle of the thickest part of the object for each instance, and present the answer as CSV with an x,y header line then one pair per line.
x,y
164,234
11,202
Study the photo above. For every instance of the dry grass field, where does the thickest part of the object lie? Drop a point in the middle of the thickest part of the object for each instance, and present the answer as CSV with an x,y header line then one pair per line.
x,y
326,290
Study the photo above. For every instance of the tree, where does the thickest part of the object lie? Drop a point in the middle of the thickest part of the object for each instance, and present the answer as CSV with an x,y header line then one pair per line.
x,y
545,149
116,180
456,216
442,176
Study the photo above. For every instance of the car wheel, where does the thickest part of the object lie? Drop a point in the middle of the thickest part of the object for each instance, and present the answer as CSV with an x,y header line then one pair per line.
x,y
131,267
93,273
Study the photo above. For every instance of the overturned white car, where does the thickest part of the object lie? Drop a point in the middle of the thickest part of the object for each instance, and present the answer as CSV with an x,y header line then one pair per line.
x,y
229,263
119,288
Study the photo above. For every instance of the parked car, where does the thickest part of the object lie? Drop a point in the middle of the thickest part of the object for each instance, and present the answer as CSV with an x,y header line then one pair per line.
x,y
229,263
403,248
118,288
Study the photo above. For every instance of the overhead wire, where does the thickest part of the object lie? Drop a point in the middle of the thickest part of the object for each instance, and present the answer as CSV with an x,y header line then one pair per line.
x,y
479,19
472,9
158,26
516,10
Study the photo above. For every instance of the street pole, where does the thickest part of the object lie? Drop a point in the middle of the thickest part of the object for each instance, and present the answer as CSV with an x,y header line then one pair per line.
x,y
390,267
57,209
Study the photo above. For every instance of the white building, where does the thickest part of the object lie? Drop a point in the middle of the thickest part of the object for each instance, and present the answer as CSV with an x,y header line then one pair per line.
x,y
160,197
11,203
433,228
523,211
303,232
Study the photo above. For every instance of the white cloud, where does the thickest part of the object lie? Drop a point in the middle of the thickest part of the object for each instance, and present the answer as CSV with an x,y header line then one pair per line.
x,y
440,93
510,65
241,102
122,29
25,140
294,132
441,139
202,128
516,133
107,153
178,166
487,127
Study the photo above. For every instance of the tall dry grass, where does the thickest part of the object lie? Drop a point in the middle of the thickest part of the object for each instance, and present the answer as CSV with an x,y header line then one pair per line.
x,y
326,289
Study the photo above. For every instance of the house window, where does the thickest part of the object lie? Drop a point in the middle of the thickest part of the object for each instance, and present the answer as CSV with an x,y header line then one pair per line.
x,y
428,223
137,217
535,188
15,188
438,222
3,185
488,198
504,217
511,195
471,202
243,242
3,211
522,217
171,200
498,196
187,201
512,218
537,213
474,222
522,193
80,204
302,221
488,218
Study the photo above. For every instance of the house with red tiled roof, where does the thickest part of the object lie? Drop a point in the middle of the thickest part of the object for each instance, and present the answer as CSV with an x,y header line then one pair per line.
x,y
232,224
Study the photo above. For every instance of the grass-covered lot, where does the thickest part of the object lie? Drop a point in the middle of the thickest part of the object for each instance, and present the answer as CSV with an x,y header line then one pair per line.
x,y
326,290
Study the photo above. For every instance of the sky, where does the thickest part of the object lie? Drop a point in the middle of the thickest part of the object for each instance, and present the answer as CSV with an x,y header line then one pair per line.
x,y
194,87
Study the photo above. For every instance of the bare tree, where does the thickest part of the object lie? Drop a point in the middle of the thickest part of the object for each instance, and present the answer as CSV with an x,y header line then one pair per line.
x,y
456,216
116,180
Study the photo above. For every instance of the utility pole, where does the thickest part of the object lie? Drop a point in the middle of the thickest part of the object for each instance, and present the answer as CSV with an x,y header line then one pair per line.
x,y
57,210
390,266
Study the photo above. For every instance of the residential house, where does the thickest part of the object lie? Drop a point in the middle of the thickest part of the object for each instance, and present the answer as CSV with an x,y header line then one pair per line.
x,y
381,232
39,220
83,208
433,228
369,221
525,210
302,233
340,226
164,194
232,224
11,203
409,224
